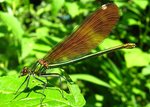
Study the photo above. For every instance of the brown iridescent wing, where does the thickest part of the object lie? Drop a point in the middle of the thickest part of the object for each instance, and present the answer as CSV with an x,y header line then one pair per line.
x,y
92,32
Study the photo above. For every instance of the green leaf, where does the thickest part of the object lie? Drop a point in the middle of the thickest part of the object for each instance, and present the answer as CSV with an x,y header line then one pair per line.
x,y
115,72
27,47
139,92
146,71
56,6
11,22
73,9
136,57
147,105
132,21
108,43
90,78
32,97
141,3
42,31
114,80
119,4
76,98
41,48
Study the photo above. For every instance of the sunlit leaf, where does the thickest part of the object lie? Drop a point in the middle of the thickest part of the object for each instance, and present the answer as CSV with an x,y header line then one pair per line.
x,y
11,22
91,79
136,57
9,85
56,6
72,9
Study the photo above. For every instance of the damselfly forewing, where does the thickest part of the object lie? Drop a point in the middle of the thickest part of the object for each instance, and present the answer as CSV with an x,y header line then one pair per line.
x,y
77,46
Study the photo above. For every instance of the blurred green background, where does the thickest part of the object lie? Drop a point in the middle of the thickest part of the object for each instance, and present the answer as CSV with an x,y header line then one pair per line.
x,y
29,29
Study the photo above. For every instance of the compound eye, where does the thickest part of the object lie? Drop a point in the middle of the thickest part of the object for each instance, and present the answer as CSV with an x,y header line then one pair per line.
x,y
24,71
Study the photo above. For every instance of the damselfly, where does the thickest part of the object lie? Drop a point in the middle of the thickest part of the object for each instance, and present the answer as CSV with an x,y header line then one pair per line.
x,y
77,46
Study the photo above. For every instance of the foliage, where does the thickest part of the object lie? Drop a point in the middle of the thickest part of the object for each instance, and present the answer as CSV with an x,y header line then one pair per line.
x,y
28,29
32,96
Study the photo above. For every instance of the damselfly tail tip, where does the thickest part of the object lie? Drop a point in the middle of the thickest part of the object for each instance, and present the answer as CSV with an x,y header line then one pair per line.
x,y
130,45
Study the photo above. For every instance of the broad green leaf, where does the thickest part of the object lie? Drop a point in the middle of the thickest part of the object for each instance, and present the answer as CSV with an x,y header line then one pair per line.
x,y
32,96
108,43
136,57
27,47
11,22
73,9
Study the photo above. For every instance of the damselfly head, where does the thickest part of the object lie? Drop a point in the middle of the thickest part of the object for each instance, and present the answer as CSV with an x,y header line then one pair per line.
x,y
24,71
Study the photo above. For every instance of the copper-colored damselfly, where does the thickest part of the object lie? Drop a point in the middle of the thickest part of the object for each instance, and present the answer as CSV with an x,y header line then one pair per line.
x,y
77,46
